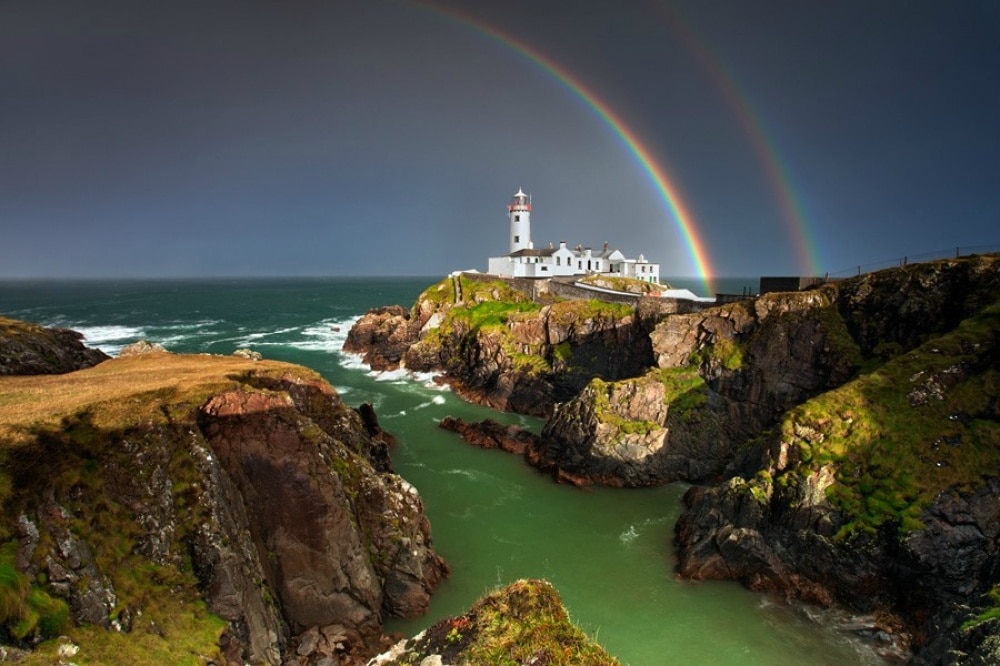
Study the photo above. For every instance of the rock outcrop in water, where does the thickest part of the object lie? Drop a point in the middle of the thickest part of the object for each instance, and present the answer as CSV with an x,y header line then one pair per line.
x,y
29,349
199,505
523,623
852,432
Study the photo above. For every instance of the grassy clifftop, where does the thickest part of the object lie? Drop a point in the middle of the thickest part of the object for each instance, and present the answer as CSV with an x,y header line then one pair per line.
x,y
123,391
156,508
51,442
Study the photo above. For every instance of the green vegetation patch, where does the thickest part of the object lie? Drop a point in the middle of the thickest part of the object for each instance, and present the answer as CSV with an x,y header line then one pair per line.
x,y
991,613
685,390
25,609
476,291
725,352
526,623
919,424
441,293
491,314
605,412
578,310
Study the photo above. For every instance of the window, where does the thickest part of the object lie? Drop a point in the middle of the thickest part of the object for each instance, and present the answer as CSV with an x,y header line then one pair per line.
x,y
579,265
545,268
517,239
558,261
517,218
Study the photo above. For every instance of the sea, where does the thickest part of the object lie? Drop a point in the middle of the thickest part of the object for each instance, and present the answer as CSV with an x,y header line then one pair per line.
x,y
608,551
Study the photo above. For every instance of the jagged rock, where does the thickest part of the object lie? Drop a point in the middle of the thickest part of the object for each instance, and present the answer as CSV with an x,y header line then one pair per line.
x,y
573,341
253,489
29,349
383,336
248,354
141,347
833,514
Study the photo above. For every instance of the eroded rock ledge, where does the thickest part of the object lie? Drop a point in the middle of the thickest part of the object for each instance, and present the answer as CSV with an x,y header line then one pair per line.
x,y
29,349
218,506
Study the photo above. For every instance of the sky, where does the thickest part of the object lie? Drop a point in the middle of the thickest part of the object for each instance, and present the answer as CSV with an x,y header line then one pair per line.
x,y
386,137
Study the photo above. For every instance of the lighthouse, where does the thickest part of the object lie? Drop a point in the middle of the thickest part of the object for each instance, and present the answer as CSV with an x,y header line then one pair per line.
x,y
519,212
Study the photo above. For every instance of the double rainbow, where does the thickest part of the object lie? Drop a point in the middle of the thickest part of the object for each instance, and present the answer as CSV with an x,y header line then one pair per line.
x,y
655,171
753,127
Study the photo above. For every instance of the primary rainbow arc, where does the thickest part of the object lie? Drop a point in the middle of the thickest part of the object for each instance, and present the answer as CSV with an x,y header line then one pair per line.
x,y
655,171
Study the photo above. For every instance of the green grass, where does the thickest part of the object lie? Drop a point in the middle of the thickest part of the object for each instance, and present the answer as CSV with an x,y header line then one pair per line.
x,y
73,434
890,457
991,613
526,623
685,390
25,609
491,314
578,310
441,293
605,412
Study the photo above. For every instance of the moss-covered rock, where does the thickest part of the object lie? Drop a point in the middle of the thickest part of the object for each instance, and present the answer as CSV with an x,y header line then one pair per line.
x,y
170,509
880,493
30,349
523,623
498,347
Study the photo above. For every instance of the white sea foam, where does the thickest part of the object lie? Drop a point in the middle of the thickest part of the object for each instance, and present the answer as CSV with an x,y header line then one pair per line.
x,y
109,339
328,335
398,376
629,535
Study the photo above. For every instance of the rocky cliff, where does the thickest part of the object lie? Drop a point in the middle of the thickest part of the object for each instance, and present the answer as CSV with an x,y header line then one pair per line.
x,y
497,347
850,434
29,349
159,508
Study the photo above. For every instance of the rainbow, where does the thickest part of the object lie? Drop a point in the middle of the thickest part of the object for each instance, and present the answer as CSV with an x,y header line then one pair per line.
x,y
656,172
753,127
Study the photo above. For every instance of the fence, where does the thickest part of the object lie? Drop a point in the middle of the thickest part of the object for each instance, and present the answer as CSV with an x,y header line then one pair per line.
x,y
950,253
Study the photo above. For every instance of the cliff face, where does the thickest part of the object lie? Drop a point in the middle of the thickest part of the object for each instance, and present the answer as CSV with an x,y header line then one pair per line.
x,y
853,434
880,494
29,349
179,505
724,375
730,373
498,348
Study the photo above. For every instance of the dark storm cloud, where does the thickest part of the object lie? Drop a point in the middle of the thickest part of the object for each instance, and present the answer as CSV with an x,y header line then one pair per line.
x,y
280,138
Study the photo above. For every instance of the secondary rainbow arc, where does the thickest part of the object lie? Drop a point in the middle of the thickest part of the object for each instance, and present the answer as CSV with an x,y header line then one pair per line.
x,y
754,129
656,172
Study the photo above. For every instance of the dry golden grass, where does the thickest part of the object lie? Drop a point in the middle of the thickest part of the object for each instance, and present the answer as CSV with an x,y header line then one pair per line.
x,y
121,391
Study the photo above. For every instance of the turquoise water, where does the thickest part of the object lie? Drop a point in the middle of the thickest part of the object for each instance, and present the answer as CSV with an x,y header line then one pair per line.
x,y
494,519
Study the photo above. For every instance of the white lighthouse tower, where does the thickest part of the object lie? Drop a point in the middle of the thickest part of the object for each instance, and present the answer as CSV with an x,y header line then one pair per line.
x,y
519,212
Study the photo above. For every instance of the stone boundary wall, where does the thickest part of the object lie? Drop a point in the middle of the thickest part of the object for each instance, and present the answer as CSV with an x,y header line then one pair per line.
x,y
537,288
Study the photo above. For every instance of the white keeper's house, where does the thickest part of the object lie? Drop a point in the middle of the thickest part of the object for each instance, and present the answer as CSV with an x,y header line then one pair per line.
x,y
524,260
